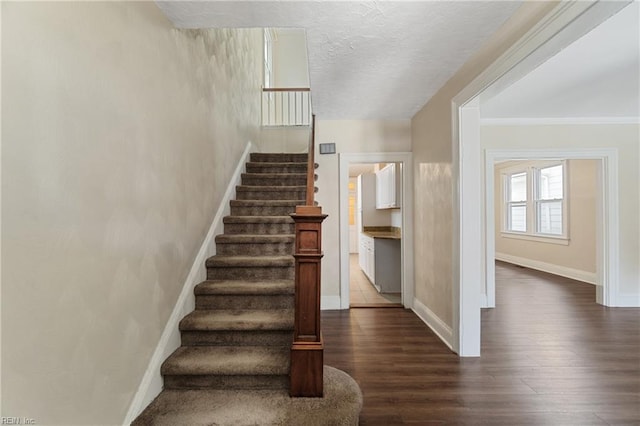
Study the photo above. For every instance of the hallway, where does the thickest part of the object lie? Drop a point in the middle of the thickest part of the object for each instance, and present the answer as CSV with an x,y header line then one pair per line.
x,y
550,356
363,294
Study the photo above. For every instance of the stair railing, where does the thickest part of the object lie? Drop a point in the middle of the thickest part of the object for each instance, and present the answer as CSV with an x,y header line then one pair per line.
x,y
286,106
306,374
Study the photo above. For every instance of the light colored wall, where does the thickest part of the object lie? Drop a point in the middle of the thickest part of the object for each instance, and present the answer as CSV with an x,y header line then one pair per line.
x,y
623,137
120,134
350,136
580,253
285,139
396,218
290,62
431,133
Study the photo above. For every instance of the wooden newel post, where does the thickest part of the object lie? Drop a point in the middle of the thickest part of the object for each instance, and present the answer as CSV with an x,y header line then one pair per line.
x,y
307,349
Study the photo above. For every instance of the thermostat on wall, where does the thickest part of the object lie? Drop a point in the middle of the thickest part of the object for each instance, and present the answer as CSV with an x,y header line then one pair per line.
x,y
327,148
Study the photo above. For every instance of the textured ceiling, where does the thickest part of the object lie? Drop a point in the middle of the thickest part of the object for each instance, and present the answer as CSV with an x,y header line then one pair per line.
x,y
367,59
596,76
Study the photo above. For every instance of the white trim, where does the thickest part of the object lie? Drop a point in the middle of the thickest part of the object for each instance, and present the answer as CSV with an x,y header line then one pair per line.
x,y
328,303
522,121
439,327
538,238
406,242
151,384
628,301
566,22
563,271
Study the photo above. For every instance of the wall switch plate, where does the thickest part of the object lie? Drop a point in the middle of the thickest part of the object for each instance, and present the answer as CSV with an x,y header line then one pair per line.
x,y
327,148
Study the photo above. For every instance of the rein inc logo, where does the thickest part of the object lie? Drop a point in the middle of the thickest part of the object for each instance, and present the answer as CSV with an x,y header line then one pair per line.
x,y
17,421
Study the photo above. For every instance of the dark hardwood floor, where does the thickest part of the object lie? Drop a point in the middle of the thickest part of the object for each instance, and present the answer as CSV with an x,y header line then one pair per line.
x,y
550,356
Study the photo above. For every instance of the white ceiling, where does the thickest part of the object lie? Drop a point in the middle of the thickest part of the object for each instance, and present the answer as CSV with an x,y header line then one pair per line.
x,y
596,76
367,59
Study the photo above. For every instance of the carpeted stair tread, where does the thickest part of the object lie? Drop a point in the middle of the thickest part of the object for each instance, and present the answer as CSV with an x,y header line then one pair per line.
x,y
274,179
257,219
274,167
238,320
271,157
244,287
227,360
219,261
270,188
255,238
340,406
267,203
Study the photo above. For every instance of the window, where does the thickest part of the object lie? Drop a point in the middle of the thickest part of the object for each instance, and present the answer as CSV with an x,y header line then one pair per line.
x,y
268,57
534,200
517,202
549,201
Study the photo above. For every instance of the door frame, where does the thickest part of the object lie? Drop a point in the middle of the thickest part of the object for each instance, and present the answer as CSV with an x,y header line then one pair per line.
x,y
567,22
405,158
607,204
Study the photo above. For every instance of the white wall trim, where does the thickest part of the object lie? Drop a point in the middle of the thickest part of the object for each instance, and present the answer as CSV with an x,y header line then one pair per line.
x,y
328,303
442,330
151,384
522,121
628,301
407,219
563,271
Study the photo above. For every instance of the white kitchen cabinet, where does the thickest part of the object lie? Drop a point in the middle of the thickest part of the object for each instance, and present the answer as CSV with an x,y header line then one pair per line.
x,y
381,262
367,257
388,187
371,216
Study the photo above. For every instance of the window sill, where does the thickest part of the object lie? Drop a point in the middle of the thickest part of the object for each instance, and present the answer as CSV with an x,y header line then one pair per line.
x,y
537,238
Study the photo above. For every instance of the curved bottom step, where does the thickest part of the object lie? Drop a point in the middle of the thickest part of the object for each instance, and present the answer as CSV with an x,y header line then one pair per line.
x,y
340,405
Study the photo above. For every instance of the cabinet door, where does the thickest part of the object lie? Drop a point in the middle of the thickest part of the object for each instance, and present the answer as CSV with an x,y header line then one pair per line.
x,y
372,262
386,187
380,190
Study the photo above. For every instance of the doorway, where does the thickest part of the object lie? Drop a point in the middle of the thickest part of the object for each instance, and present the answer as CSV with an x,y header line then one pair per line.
x,y
473,230
403,218
366,289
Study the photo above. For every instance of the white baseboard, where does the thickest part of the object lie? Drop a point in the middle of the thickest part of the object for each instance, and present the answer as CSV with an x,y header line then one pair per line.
x,y
484,301
628,301
442,330
151,384
330,303
563,271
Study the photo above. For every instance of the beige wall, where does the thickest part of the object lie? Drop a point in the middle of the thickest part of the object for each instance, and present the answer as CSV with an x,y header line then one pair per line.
x,y
350,136
433,172
625,138
120,134
290,63
580,253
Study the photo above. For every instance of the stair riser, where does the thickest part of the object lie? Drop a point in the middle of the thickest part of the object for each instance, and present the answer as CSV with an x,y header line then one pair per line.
x,y
243,194
268,249
219,301
236,338
276,168
262,211
250,273
275,382
259,228
269,181
257,157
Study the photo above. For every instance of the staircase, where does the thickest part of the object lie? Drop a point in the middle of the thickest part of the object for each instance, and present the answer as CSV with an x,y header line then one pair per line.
x,y
239,336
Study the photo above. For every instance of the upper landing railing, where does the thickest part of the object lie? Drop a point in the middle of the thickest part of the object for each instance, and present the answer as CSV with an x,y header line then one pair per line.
x,y
286,106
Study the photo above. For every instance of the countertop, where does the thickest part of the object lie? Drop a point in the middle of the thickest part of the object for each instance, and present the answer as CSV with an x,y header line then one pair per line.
x,y
388,232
